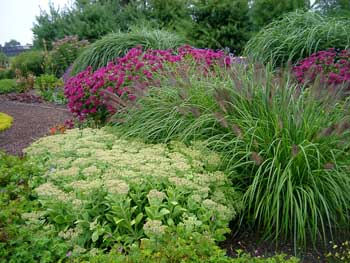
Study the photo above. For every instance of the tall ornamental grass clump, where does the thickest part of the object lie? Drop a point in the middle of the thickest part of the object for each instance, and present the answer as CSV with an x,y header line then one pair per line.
x,y
286,147
116,45
296,36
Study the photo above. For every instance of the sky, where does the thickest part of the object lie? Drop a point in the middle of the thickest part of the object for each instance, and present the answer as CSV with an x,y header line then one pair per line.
x,y
17,18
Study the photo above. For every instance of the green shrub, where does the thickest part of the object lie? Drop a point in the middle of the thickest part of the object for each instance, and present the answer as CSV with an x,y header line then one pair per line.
x,y
115,45
29,62
102,190
287,148
50,88
298,35
22,236
63,54
3,60
47,82
7,74
8,86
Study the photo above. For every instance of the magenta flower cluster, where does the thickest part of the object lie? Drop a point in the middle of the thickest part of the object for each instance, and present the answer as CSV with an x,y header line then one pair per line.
x,y
331,66
128,75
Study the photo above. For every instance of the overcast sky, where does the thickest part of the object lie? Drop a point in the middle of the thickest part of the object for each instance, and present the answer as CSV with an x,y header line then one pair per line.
x,y
17,18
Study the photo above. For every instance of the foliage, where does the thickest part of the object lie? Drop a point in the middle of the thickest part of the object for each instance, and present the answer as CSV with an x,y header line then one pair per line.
x,y
47,82
88,20
264,12
8,86
29,62
50,88
331,67
173,15
101,190
7,73
339,252
116,45
5,121
128,78
333,7
296,36
63,54
182,246
221,24
12,43
3,60
286,148
18,234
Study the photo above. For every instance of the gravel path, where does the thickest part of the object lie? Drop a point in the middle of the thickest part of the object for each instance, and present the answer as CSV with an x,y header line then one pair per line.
x,y
31,121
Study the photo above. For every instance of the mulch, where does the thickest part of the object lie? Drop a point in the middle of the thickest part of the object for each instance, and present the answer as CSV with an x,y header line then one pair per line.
x,y
31,121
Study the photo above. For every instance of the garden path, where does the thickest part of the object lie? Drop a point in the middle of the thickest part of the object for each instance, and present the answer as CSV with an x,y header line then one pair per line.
x,y
30,122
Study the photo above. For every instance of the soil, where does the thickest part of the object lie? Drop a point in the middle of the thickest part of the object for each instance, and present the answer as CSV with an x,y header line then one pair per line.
x,y
31,121
248,240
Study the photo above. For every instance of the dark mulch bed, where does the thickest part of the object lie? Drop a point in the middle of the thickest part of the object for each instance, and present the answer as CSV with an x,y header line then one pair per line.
x,y
250,241
31,121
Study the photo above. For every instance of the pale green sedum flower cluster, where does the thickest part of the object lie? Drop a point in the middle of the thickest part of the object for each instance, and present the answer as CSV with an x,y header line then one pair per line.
x,y
80,162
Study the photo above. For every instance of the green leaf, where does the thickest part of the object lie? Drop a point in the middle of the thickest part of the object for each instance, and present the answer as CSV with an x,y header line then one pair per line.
x,y
164,212
94,236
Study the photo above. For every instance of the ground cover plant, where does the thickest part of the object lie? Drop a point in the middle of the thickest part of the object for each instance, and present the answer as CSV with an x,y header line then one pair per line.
x,y
18,237
5,121
99,191
116,45
330,67
129,77
297,36
286,147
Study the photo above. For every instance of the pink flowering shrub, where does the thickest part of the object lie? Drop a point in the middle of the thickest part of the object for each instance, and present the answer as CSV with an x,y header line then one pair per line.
x,y
331,66
129,77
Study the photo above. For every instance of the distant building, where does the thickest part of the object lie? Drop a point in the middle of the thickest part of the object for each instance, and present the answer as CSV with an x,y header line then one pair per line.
x,y
15,50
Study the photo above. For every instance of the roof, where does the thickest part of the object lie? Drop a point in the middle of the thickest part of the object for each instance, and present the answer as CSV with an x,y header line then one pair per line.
x,y
15,50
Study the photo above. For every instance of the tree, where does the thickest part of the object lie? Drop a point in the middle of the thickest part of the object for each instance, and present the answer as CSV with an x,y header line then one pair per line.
x,y
88,19
265,11
220,24
333,7
50,26
12,43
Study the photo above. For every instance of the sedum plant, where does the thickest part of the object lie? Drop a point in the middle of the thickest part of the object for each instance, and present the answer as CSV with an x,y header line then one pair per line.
x,y
100,190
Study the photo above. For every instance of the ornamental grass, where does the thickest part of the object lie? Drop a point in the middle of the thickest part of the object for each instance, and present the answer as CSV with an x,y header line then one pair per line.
x,y
285,146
